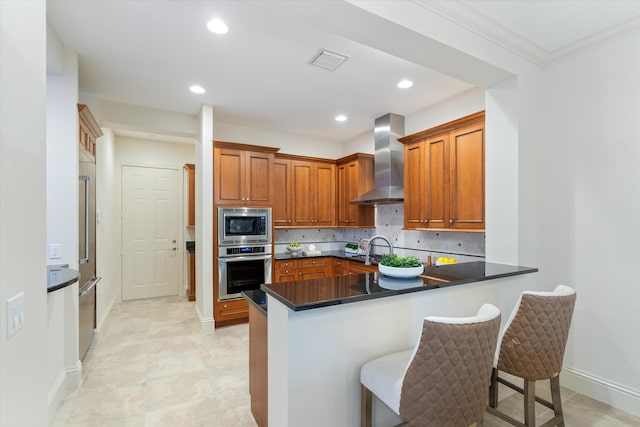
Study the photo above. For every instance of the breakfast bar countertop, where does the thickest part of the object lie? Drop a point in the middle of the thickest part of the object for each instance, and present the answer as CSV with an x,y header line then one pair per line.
x,y
317,293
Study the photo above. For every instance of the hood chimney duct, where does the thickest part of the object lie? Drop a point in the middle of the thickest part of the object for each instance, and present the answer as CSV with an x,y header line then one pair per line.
x,y
389,163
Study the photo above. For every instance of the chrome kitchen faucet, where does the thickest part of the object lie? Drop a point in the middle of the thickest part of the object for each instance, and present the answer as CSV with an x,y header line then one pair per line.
x,y
368,250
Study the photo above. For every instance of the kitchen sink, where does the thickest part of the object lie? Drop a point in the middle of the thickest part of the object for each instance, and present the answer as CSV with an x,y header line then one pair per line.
x,y
374,258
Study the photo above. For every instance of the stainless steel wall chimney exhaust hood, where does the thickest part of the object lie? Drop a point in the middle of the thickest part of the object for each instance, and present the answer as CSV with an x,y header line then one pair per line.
x,y
389,163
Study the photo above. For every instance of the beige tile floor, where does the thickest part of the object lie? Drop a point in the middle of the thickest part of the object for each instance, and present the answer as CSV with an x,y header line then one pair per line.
x,y
154,367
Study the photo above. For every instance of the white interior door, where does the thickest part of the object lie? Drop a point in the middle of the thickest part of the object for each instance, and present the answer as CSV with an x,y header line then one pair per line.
x,y
149,232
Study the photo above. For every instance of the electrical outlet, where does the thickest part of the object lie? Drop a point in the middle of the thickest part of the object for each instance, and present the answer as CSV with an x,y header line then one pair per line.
x,y
55,251
15,314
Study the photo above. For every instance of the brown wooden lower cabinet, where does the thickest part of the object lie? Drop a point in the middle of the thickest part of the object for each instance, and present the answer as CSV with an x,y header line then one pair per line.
x,y
191,292
230,312
258,367
301,269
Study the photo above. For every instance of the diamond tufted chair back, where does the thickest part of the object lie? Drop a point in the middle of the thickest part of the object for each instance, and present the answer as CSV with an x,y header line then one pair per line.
x,y
446,381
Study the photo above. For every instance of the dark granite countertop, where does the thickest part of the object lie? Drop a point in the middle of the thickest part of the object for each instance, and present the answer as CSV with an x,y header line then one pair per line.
x,y
258,298
335,254
59,276
317,293
191,246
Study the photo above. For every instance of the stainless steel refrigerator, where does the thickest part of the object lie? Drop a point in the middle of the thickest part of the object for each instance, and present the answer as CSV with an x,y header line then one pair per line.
x,y
87,252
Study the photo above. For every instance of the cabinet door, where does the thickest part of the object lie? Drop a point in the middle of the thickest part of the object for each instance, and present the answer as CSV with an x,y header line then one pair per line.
x,y
302,200
467,210
414,170
342,177
325,196
353,191
230,177
339,267
191,293
231,312
311,273
282,194
287,275
258,188
353,179
436,186
191,199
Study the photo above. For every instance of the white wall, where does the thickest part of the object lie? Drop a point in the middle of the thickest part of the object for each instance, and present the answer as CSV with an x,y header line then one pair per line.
x,y
566,229
152,153
62,219
288,143
204,219
466,103
23,357
107,258
461,105
142,119
593,105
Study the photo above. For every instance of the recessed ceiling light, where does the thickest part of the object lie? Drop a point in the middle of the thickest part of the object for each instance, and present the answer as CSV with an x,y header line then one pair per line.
x,y
404,84
197,89
341,118
217,26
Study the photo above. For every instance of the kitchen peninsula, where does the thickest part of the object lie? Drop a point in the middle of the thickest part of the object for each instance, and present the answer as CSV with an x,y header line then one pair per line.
x,y
321,331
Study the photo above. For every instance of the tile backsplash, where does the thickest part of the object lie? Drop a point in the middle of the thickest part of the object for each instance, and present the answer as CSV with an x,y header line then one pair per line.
x,y
389,223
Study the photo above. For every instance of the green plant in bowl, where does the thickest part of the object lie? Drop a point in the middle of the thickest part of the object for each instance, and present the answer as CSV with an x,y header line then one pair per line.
x,y
400,262
400,267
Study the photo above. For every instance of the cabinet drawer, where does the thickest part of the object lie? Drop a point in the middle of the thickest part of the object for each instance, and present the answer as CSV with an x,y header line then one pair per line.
x,y
234,307
313,262
287,264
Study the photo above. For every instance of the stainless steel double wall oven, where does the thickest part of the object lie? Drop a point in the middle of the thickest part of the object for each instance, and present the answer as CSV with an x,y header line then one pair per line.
x,y
244,250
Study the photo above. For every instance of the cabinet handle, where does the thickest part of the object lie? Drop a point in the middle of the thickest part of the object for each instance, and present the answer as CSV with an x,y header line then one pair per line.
x,y
450,221
225,306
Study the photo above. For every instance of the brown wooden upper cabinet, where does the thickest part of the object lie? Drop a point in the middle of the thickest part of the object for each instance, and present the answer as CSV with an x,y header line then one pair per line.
x,y
355,176
304,193
283,193
444,176
191,188
313,202
88,132
243,174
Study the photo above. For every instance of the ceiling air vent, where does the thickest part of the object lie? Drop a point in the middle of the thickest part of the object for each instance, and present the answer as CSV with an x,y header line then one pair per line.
x,y
328,60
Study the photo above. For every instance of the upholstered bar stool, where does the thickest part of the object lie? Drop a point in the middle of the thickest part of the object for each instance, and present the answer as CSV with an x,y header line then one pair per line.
x,y
531,346
443,380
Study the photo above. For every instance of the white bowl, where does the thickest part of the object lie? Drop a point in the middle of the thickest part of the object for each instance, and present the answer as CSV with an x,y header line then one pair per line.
x,y
395,283
402,272
294,250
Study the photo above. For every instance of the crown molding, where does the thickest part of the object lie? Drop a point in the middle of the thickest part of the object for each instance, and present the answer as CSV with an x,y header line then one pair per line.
x,y
487,28
593,41
492,31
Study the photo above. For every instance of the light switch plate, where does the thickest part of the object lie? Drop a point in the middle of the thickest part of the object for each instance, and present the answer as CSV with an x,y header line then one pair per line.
x,y
55,251
15,314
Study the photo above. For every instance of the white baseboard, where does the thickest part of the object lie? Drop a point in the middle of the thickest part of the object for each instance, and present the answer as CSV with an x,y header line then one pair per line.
x,y
55,396
208,325
68,381
616,395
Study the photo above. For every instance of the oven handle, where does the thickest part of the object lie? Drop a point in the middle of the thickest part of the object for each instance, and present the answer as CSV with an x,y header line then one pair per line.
x,y
244,258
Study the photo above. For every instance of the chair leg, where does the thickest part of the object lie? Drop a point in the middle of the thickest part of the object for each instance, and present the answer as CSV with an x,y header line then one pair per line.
x,y
556,399
365,407
493,389
529,403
